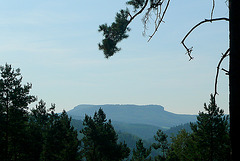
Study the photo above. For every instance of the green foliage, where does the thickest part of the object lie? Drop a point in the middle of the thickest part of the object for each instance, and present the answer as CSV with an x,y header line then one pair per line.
x,y
30,136
175,129
114,34
61,141
141,153
143,131
42,134
100,139
209,140
128,138
136,3
155,3
211,133
53,137
38,125
183,147
162,142
14,101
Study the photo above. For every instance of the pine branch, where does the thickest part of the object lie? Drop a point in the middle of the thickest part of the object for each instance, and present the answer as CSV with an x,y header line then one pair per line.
x,y
139,12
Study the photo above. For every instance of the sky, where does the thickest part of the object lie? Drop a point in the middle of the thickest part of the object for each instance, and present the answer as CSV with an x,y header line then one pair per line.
x,y
54,43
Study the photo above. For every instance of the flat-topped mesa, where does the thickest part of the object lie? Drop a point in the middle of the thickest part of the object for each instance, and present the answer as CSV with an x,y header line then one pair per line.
x,y
135,114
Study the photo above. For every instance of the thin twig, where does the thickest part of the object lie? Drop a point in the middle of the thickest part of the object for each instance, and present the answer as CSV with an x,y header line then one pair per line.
x,y
189,50
130,15
161,20
226,71
212,9
218,68
146,19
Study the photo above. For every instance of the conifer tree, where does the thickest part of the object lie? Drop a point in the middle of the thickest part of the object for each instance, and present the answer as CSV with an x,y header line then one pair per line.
x,y
211,133
53,137
100,140
183,148
14,101
38,122
162,143
209,140
30,136
141,153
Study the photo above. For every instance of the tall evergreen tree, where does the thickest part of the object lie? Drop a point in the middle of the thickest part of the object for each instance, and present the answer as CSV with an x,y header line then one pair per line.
x,y
141,153
61,142
211,133
14,101
38,121
38,135
100,140
53,137
210,140
183,148
162,143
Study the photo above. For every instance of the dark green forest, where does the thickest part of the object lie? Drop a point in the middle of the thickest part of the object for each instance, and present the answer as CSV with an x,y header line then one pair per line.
x,y
39,133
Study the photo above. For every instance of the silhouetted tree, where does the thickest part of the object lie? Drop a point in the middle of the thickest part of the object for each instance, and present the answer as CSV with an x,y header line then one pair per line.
x,y
209,140
14,101
53,138
61,142
38,122
211,133
100,139
30,136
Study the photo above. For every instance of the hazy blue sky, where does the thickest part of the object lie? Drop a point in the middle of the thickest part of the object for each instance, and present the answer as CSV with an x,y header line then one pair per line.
x,y
54,43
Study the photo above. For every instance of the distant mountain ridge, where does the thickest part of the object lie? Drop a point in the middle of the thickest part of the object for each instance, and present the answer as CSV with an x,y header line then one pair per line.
x,y
153,115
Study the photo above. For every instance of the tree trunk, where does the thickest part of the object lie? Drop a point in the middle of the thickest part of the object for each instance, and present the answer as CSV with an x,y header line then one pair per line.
x,y
7,127
234,75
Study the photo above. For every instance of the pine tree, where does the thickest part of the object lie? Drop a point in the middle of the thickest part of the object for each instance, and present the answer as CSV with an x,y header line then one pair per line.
x,y
183,148
209,141
162,143
211,133
14,101
53,137
38,135
141,153
38,118
100,139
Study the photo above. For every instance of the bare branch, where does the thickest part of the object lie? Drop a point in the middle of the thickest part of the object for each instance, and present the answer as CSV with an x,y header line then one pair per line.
x,y
227,72
189,50
218,68
212,9
130,15
157,6
145,20
160,19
